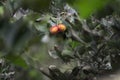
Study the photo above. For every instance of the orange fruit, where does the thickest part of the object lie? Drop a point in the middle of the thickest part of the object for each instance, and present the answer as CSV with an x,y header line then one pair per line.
x,y
54,30
61,27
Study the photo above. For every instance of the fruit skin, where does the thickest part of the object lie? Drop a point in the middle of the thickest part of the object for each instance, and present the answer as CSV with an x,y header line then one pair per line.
x,y
61,27
54,30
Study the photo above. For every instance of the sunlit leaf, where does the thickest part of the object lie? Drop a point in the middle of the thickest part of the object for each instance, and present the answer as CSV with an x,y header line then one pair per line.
x,y
1,10
87,7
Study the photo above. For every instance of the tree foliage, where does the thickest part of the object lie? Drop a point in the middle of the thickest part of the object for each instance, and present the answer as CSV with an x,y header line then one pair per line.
x,y
89,46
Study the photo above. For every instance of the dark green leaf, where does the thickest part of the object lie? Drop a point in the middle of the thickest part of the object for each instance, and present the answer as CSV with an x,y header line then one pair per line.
x,y
17,60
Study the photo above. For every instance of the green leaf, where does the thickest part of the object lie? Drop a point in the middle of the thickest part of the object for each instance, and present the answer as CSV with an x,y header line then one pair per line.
x,y
36,5
17,60
87,7
1,10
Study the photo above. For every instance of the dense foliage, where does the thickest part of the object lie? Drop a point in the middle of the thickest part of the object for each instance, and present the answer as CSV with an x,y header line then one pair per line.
x,y
62,39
